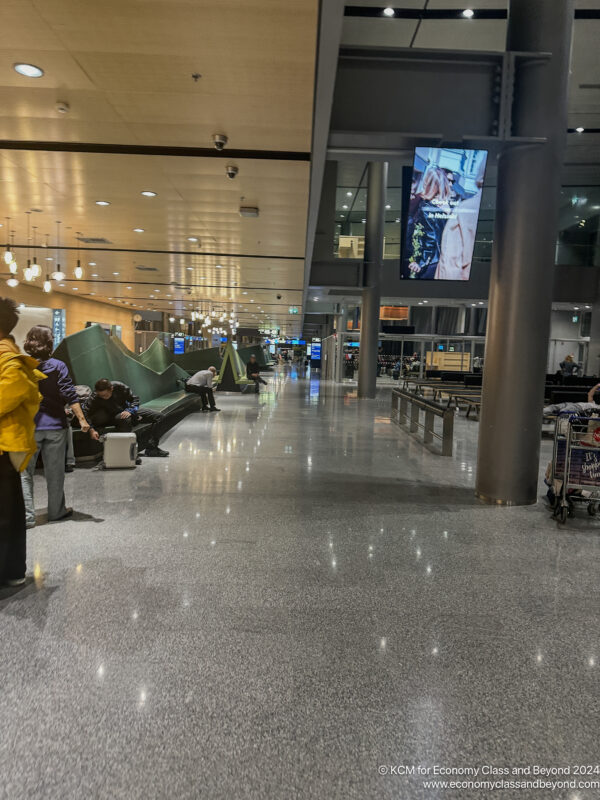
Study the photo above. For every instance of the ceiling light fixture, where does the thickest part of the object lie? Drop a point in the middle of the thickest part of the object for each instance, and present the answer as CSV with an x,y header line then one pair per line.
x,y
47,285
468,13
35,267
148,193
102,203
138,230
388,12
78,271
28,70
58,274
192,239
348,194
12,282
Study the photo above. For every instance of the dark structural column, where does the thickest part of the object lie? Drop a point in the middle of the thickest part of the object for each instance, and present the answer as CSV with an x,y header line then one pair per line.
x,y
371,293
523,256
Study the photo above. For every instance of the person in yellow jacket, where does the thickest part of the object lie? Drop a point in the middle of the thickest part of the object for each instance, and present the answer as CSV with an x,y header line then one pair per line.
x,y
19,403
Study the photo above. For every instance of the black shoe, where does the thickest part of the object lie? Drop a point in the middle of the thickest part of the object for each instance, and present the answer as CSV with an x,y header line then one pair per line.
x,y
69,468
138,461
14,581
156,452
214,408
204,410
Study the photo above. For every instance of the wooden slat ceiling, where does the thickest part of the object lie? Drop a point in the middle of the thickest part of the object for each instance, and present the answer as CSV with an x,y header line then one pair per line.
x,y
125,68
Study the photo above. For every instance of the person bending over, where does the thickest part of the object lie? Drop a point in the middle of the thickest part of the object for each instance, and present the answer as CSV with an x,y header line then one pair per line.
x,y
253,373
583,409
113,403
202,383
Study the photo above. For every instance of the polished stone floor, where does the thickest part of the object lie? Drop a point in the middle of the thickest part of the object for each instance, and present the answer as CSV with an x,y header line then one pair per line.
x,y
299,598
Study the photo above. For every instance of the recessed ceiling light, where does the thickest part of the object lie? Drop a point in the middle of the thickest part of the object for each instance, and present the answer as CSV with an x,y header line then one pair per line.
x,y
468,13
190,269
348,194
49,258
28,70
389,12
91,263
94,274
388,206
315,298
218,266
244,292
115,273
192,239
75,289
102,203
148,193
580,130
129,287
138,230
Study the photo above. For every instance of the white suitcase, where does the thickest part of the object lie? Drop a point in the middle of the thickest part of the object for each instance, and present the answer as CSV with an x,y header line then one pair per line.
x,y
120,451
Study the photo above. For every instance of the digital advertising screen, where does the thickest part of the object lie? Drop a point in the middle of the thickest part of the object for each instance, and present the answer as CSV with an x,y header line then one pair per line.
x,y
179,345
443,210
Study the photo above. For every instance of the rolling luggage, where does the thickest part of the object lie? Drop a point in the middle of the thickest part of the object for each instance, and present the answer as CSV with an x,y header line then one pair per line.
x,y
120,451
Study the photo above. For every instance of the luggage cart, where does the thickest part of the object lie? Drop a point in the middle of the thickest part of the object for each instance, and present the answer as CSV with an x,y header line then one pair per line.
x,y
575,465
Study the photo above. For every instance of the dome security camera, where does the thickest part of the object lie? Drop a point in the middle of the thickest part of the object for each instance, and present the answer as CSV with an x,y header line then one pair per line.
x,y
231,171
62,107
220,140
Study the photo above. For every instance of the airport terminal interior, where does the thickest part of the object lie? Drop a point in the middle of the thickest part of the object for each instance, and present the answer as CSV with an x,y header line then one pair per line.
x,y
300,399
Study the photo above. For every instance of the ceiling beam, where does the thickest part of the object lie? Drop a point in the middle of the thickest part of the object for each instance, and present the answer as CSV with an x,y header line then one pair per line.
x,y
153,150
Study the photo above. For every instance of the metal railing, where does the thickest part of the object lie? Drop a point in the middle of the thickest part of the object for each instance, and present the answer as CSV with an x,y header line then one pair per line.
x,y
406,411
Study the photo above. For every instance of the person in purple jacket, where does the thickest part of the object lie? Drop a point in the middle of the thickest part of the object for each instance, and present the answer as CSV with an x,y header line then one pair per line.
x,y
50,426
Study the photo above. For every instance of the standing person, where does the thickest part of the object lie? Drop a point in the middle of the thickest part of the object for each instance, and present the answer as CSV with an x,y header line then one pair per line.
x,y
568,367
458,240
253,373
19,402
202,383
113,403
51,426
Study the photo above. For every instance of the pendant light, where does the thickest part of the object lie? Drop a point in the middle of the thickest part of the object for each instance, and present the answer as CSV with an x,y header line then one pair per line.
x,y
12,264
78,269
12,282
37,270
28,272
8,256
58,275
47,284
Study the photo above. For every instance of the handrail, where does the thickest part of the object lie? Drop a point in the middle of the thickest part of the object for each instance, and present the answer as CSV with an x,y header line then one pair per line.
x,y
401,399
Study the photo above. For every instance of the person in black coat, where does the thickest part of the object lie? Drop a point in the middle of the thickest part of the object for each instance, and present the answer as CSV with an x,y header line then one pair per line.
x,y
113,403
253,373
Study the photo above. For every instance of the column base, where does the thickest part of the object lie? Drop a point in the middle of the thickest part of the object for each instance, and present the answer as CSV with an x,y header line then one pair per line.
x,y
494,501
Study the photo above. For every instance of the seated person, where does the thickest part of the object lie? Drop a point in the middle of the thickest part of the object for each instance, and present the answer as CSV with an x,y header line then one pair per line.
x,y
253,373
202,383
113,403
582,409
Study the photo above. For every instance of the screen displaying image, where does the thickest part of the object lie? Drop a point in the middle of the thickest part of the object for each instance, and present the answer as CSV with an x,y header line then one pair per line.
x,y
443,211
179,345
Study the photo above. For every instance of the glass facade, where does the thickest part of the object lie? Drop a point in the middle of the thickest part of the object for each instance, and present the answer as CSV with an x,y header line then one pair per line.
x,y
577,240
